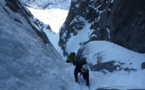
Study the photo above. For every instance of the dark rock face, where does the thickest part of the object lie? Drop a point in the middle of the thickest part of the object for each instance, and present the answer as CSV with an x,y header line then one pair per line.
x,y
118,21
109,66
129,25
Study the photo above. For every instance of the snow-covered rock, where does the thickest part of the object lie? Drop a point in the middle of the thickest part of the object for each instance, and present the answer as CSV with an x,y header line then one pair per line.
x,y
113,66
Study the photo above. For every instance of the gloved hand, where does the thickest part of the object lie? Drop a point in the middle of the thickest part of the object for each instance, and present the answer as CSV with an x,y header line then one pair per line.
x,y
67,61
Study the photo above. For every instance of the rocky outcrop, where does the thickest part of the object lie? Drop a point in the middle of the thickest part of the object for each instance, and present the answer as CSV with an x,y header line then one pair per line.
x,y
109,66
118,21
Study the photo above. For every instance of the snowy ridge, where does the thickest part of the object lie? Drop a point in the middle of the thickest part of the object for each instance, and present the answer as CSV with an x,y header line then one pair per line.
x,y
42,4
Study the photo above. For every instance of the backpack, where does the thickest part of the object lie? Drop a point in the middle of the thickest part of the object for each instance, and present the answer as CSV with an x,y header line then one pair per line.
x,y
71,58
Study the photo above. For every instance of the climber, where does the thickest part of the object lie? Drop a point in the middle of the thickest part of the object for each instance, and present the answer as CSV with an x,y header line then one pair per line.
x,y
82,68
71,58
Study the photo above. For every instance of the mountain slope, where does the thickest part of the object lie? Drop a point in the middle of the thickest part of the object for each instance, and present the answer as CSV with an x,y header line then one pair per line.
x,y
28,61
44,4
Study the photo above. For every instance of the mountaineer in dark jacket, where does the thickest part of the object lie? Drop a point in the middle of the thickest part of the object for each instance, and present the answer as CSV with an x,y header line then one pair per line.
x,y
82,68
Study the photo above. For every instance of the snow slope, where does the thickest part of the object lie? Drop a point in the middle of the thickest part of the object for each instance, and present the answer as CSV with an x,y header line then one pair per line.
x,y
74,43
26,61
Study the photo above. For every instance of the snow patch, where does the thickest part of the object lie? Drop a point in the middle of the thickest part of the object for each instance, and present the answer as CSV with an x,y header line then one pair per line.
x,y
74,43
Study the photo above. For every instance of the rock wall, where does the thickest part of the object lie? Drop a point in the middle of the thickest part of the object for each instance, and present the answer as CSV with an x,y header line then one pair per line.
x,y
118,21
